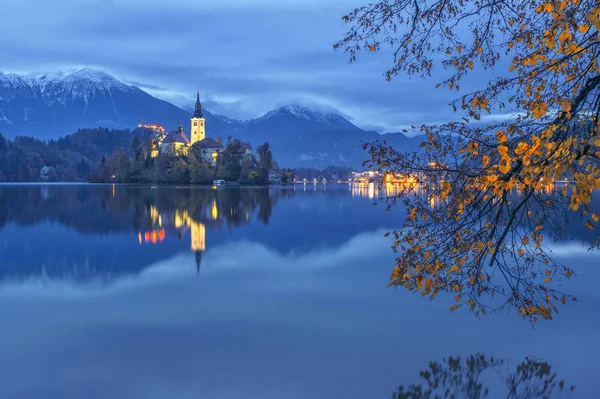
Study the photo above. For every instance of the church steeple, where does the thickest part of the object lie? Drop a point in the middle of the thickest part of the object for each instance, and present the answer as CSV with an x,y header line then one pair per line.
x,y
198,109
197,127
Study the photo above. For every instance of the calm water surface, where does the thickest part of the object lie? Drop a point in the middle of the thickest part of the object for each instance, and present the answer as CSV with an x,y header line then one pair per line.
x,y
141,292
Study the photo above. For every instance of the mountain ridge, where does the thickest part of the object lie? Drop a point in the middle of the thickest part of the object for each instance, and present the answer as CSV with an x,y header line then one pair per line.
x,y
58,103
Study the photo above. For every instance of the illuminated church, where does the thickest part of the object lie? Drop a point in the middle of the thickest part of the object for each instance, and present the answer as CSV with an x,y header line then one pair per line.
x,y
176,143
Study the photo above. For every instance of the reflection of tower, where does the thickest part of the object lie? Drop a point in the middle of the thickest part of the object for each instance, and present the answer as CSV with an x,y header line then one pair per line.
x,y
214,210
198,241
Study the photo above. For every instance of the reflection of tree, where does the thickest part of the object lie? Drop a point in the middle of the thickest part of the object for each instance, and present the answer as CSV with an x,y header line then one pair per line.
x,y
106,209
146,213
454,378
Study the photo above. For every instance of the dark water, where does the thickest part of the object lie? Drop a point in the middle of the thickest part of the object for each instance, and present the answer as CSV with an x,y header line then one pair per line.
x,y
140,292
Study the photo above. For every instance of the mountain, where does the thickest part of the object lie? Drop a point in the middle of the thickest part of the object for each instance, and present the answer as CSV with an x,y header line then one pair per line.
x,y
301,137
56,104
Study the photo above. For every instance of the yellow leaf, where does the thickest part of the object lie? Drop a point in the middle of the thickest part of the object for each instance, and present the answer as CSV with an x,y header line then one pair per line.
x,y
566,105
501,136
502,149
595,217
593,18
583,28
589,225
485,160
504,168
548,279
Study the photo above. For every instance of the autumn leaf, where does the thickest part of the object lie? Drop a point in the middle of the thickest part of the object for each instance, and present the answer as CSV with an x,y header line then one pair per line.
x,y
485,160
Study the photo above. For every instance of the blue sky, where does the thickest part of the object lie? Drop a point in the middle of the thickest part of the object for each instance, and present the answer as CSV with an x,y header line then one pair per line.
x,y
246,56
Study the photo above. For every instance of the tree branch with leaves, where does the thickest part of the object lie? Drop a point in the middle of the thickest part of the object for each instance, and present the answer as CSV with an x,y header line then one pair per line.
x,y
481,226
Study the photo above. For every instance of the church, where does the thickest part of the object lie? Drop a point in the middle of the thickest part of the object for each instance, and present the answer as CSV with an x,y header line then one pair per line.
x,y
177,143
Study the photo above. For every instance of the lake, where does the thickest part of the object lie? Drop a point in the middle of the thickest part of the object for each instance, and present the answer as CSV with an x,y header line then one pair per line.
x,y
176,292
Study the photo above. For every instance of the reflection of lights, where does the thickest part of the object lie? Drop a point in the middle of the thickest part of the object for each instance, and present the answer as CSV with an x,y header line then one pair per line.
x,y
154,215
214,187
140,238
198,241
371,191
113,190
214,210
315,181
181,218
154,236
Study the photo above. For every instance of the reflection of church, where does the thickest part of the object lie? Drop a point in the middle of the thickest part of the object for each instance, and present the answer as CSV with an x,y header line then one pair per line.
x,y
179,223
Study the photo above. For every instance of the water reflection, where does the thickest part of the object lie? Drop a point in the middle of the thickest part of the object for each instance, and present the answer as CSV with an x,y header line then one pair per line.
x,y
289,281
385,190
479,376
150,216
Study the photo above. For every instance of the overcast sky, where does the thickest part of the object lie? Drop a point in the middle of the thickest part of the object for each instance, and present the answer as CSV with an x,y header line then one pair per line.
x,y
246,56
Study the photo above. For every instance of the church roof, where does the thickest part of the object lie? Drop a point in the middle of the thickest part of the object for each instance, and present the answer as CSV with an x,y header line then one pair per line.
x,y
210,143
198,107
176,137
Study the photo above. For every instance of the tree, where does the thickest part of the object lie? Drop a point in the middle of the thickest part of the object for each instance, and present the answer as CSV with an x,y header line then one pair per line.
x,y
229,166
120,166
200,172
492,184
246,171
265,163
287,175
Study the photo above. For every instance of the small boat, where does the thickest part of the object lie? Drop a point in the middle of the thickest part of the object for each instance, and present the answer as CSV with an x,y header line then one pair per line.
x,y
219,182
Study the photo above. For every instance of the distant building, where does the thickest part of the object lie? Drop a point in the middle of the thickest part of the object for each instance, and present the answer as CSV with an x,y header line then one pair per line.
x,y
210,150
197,125
175,143
156,140
44,173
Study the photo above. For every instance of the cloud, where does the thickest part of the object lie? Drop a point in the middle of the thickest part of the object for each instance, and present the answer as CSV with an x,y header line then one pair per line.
x,y
245,56
222,259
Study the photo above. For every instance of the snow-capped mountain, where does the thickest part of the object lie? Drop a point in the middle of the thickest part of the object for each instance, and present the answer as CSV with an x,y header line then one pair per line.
x,y
59,103
302,116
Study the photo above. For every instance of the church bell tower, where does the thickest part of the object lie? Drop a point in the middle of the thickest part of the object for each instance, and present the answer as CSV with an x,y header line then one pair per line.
x,y
197,123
